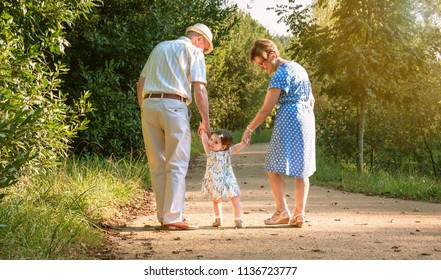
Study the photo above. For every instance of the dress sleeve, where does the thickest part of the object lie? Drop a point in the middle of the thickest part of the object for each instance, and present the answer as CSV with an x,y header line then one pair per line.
x,y
280,79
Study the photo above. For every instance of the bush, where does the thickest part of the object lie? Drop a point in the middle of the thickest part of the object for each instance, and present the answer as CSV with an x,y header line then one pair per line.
x,y
36,124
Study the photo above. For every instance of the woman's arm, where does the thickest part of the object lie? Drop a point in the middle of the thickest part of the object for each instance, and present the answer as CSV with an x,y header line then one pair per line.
x,y
270,101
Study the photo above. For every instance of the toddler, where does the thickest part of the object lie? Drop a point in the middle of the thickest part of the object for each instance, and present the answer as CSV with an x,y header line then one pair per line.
x,y
219,181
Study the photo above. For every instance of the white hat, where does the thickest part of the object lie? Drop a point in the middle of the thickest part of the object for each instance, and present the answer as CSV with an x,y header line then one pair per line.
x,y
205,32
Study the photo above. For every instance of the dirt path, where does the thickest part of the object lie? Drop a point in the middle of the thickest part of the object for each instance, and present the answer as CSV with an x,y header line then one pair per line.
x,y
340,225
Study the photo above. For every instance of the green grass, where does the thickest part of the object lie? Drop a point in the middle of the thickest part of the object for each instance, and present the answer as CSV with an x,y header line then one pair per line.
x,y
399,185
57,216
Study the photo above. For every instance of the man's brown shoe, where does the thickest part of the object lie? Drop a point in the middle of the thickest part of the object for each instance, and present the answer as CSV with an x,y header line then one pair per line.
x,y
180,226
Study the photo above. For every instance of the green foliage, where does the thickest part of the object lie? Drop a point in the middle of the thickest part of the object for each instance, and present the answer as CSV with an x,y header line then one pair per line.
x,y
236,87
402,138
336,127
58,217
108,52
113,120
344,176
36,124
365,55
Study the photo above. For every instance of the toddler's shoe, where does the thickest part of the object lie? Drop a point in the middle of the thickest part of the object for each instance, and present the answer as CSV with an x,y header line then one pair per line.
x,y
217,222
238,223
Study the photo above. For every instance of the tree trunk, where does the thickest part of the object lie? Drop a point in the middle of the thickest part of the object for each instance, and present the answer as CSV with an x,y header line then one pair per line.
x,y
432,159
360,132
363,108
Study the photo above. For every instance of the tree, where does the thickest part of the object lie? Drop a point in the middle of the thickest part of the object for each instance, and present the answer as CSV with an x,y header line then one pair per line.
x,y
36,124
365,51
236,87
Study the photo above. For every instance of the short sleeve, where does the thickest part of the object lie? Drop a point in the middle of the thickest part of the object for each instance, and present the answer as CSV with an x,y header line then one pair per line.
x,y
197,67
281,79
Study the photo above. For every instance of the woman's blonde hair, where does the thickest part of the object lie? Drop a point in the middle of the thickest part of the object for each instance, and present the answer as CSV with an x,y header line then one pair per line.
x,y
262,48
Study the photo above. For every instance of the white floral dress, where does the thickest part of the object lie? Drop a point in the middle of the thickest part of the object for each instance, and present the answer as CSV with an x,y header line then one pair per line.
x,y
219,180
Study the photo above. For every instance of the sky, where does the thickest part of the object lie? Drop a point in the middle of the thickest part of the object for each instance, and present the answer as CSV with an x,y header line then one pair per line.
x,y
257,10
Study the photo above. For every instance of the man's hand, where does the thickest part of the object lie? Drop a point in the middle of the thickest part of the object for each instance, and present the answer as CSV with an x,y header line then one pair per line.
x,y
203,127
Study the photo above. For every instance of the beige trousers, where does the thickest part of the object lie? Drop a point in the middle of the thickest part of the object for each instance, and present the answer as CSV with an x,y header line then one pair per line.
x,y
167,139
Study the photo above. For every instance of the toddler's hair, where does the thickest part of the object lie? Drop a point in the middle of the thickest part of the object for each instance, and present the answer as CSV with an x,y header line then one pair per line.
x,y
225,137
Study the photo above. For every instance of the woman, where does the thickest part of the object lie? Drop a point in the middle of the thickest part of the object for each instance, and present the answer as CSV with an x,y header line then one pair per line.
x,y
292,147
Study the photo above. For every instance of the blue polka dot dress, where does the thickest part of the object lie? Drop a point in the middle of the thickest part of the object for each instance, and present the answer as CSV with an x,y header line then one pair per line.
x,y
292,147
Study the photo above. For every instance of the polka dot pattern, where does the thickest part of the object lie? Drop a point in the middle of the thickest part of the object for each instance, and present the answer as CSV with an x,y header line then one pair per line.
x,y
292,147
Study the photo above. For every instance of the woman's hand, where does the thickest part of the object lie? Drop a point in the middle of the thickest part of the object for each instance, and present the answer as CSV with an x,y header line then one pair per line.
x,y
246,137
312,101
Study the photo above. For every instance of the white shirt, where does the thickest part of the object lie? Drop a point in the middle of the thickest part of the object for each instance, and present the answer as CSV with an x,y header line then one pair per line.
x,y
172,67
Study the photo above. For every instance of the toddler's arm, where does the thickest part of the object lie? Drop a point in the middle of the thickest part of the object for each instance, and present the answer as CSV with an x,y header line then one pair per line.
x,y
204,138
238,147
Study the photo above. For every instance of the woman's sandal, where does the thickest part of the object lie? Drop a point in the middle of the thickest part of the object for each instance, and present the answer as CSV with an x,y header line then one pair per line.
x,y
297,221
283,218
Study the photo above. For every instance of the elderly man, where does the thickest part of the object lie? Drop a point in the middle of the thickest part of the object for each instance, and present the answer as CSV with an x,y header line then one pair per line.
x,y
164,92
